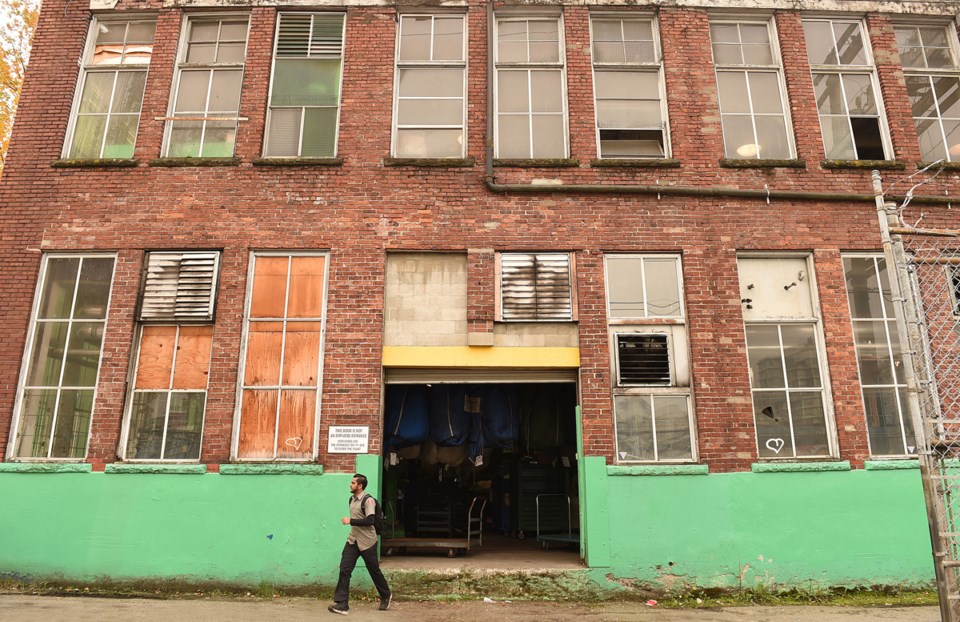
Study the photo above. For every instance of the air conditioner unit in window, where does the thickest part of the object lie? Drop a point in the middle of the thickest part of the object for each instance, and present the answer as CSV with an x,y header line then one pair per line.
x,y
643,359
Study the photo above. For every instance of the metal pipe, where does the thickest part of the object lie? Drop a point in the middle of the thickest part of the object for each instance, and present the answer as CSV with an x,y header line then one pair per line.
x,y
691,191
488,160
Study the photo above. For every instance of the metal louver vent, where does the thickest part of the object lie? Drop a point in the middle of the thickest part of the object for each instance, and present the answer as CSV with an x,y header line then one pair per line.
x,y
179,287
536,286
310,36
643,359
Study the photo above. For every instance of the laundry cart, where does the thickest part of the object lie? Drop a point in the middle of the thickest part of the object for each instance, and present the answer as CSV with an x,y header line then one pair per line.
x,y
555,520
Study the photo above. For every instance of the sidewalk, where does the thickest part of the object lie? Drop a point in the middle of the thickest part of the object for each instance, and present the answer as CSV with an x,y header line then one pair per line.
x,y
85,609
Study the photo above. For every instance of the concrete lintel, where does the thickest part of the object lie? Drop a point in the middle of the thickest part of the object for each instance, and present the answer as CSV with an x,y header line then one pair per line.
x,y
891,465
271,469
164,469
45,467
658,469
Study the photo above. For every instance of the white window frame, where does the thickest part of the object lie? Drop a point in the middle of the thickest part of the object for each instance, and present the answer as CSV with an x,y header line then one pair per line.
x,y
825,384
903,409
674,327
28,355
251,265
400,65
273,72
953,284
748,69
181,65
632,67
86,68
561,66
869,69
931,73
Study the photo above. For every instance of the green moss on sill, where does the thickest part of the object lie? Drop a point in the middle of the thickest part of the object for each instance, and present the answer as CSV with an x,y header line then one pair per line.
x,y
177,162
630,163
271,468
298,162
800,467
756,163
45,467
947,166
864,165
431,162
163,469
538,163
95,163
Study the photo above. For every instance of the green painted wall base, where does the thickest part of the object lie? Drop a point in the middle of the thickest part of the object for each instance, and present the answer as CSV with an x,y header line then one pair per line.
x,y
799,529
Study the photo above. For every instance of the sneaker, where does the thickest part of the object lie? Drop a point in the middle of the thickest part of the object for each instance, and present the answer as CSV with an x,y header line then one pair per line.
x,y
385,602
339,608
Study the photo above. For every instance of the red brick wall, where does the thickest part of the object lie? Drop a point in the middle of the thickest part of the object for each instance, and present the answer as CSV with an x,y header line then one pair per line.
x,y
362,209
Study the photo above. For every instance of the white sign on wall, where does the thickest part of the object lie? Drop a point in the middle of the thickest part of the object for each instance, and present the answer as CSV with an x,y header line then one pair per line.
x,y
348,439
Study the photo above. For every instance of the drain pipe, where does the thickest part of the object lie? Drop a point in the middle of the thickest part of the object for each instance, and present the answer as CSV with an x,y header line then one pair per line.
x,y
489,179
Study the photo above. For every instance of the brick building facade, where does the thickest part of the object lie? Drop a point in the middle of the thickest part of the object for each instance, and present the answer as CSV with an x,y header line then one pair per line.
x,y
681,190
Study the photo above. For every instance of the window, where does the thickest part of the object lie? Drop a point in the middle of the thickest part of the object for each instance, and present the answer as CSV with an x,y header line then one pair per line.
x,y
784,354
168,399
933,83
431,87
879,357
283,345
62,361
206,101
112,78
628,86
953,274
305,93
651,391
536,286
530,98
844,82
751,89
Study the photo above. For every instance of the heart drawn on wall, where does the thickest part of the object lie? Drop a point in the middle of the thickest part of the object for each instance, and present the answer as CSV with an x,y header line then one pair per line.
x,y
294,442
775,445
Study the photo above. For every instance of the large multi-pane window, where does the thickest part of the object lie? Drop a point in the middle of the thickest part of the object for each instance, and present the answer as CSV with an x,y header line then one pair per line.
x,y
206,100
845,84
753,108
879,357
283,345
429,111
628,87
62,362
530,97
305,92
784,347
932,72
652,401
112,79
168,397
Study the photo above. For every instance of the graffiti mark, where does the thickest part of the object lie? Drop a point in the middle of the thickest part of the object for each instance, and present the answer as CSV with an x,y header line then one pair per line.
x,y
775,445
269,536
294,442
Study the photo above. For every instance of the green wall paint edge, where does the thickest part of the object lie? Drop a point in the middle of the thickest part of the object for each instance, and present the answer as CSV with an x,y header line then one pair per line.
x,y
45,467
799,467
891,465
271,469
665,469
168,469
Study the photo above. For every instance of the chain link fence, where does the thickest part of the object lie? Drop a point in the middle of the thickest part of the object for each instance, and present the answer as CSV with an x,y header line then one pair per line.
x,y
926,265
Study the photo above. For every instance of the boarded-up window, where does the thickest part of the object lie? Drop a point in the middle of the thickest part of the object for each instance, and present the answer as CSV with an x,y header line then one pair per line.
x,y
536,286
281,370
170,392
179,287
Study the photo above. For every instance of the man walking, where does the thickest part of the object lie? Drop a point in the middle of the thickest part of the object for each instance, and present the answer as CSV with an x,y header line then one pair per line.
x,y
361,542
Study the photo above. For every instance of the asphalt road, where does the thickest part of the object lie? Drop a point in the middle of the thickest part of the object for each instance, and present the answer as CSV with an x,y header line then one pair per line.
x,y
20,608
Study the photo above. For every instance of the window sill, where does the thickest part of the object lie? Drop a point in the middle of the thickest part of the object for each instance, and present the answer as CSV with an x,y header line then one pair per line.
x,y
46,467
947,166
298,162
634,163
431,162
897,165
271,469
177,162
537,163
757,163
899,464
658,469
95,163
799,467
165,469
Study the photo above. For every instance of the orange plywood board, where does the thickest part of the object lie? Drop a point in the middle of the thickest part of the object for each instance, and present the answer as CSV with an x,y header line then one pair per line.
x,y
297,411
258,417
193,357
264,345
301,354
306,287
269,287
157,344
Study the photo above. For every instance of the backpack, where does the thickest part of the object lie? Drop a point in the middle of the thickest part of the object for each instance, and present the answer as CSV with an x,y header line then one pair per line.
x,y
379,518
